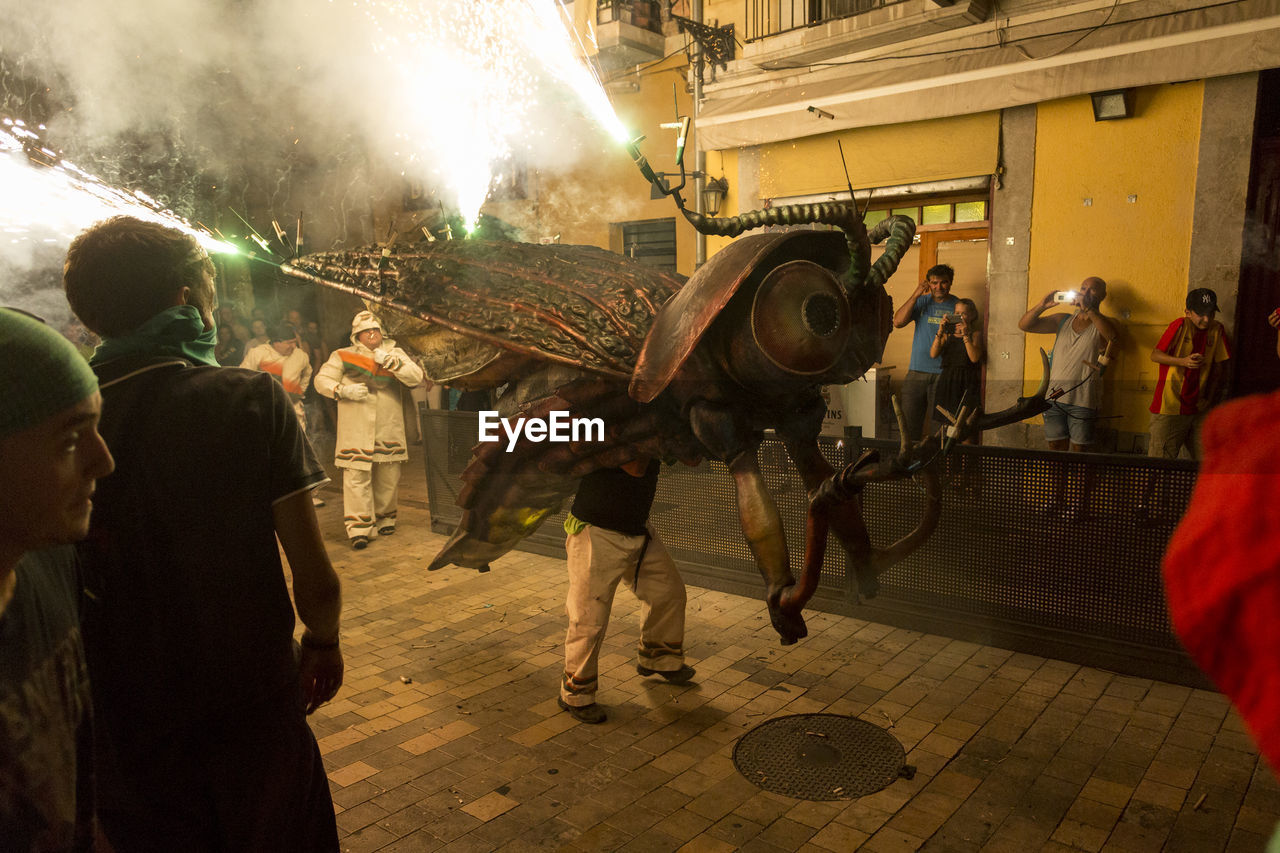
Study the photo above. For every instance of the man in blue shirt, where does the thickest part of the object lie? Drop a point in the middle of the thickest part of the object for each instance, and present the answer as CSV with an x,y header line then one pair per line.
x,y
927,306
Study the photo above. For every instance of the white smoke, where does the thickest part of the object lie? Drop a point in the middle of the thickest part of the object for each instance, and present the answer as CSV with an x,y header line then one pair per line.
x,y
294,103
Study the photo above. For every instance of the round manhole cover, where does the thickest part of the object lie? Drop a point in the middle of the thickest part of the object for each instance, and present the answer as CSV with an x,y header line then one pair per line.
x,y
820,757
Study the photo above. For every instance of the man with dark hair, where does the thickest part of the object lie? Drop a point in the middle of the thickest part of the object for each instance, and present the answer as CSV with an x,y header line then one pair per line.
x,y
927,306
1193,354
50,457
609,539
199,689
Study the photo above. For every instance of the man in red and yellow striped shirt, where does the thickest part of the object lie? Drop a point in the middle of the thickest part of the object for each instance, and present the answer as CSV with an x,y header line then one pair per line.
x,y
1192,354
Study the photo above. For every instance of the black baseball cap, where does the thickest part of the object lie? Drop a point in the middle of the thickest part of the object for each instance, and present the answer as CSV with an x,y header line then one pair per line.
x,y
1202,301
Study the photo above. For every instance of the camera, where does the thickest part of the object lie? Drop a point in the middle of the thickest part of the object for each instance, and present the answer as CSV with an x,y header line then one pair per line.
x,y
952,318
1065,296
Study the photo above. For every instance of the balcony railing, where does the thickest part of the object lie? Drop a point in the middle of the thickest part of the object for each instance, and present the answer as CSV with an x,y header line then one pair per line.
x,y
770,17
638,13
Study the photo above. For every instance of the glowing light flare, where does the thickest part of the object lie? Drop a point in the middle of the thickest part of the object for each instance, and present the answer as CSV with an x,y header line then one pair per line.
x,y
560,50
64,199
471,81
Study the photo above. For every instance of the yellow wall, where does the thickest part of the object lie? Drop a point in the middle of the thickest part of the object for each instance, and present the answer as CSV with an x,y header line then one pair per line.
x,y
1141,248
887,155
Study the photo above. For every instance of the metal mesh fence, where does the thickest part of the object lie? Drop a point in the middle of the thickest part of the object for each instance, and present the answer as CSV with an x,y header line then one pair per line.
x,y
1036,551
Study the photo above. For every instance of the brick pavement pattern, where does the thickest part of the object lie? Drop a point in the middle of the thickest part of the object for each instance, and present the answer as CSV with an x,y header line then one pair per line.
x,y
446,734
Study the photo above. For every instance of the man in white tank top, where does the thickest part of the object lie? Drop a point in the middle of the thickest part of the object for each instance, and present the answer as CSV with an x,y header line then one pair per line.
x,y
1081,342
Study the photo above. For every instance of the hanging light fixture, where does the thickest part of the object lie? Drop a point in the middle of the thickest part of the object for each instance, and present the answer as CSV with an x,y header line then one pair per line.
x,y
713,192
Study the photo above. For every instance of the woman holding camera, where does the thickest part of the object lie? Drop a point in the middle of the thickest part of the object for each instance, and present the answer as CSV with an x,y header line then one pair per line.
x,y
959,344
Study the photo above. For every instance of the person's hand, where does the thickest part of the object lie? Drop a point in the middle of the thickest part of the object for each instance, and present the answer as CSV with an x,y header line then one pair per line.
x,y
379,356
1193,361
356,392
1274,319
319,675
1048,301
946,329
962,330
392,362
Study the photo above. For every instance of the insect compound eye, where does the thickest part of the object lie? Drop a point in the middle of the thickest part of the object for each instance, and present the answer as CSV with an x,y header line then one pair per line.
x,y
820,314
800,318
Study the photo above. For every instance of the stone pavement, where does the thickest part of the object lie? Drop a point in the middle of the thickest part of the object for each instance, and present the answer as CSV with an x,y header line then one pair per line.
x,y
447,736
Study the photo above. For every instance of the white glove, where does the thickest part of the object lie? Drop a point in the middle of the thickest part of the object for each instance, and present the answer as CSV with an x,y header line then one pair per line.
x,y
379,356
352,392
392,362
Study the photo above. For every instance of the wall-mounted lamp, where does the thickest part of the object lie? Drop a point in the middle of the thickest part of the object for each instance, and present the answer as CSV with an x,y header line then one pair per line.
x,y
821,113
713,192
1113,104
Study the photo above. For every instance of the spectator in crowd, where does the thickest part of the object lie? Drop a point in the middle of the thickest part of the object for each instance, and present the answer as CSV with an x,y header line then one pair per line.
x,y
50,457
257,335
960,349
1081,346
1192,354
609,540
289,365
282,358
928,304
1080,338
200,692
366,379
228,316
229,352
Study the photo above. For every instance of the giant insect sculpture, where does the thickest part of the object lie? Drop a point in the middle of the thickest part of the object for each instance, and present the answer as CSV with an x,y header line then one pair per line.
x,y
677,370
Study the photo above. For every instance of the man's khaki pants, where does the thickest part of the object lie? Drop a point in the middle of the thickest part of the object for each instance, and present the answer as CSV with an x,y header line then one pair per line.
x,y
369,498
598,559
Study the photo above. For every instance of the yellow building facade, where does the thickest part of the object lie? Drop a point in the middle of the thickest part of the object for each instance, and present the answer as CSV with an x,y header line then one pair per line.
x,y
980,127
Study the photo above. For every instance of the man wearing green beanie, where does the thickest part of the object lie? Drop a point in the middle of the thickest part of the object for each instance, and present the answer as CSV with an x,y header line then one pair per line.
x,y
51,455
200,703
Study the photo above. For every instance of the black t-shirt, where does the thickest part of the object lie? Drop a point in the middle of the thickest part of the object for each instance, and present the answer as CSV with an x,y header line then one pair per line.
x,y
46,788
613,499
188,612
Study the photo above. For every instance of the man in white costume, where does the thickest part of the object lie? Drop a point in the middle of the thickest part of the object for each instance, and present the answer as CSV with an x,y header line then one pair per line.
x,y
367,379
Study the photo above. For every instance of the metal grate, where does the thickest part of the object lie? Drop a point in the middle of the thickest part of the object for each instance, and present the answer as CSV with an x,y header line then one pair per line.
x,y
1007,566
820,757
770,17
652,242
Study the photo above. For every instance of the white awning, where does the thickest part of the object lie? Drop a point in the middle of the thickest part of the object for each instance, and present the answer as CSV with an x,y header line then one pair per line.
x,y
1138,53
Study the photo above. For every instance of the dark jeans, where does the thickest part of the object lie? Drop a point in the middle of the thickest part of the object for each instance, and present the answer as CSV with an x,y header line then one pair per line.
x,y
917,401
250,779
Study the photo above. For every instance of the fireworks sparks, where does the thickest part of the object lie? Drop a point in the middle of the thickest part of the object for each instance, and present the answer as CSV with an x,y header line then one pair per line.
x,y
42,194
475,73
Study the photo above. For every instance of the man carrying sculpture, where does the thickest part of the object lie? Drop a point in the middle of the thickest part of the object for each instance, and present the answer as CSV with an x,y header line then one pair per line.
x,y
609,540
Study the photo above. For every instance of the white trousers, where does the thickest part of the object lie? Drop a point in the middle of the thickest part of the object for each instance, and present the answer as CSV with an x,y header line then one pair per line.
x,y
598,559
369,498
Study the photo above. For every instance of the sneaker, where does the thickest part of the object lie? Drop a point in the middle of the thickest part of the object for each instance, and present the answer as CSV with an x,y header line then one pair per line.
x,y
359,542
673,676
386,531
590,714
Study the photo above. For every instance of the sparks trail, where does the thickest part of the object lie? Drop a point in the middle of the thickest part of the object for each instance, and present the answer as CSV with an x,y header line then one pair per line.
x,y
44,191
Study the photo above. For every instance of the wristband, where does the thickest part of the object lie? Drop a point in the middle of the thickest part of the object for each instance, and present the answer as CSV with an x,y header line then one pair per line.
x,y
308,642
